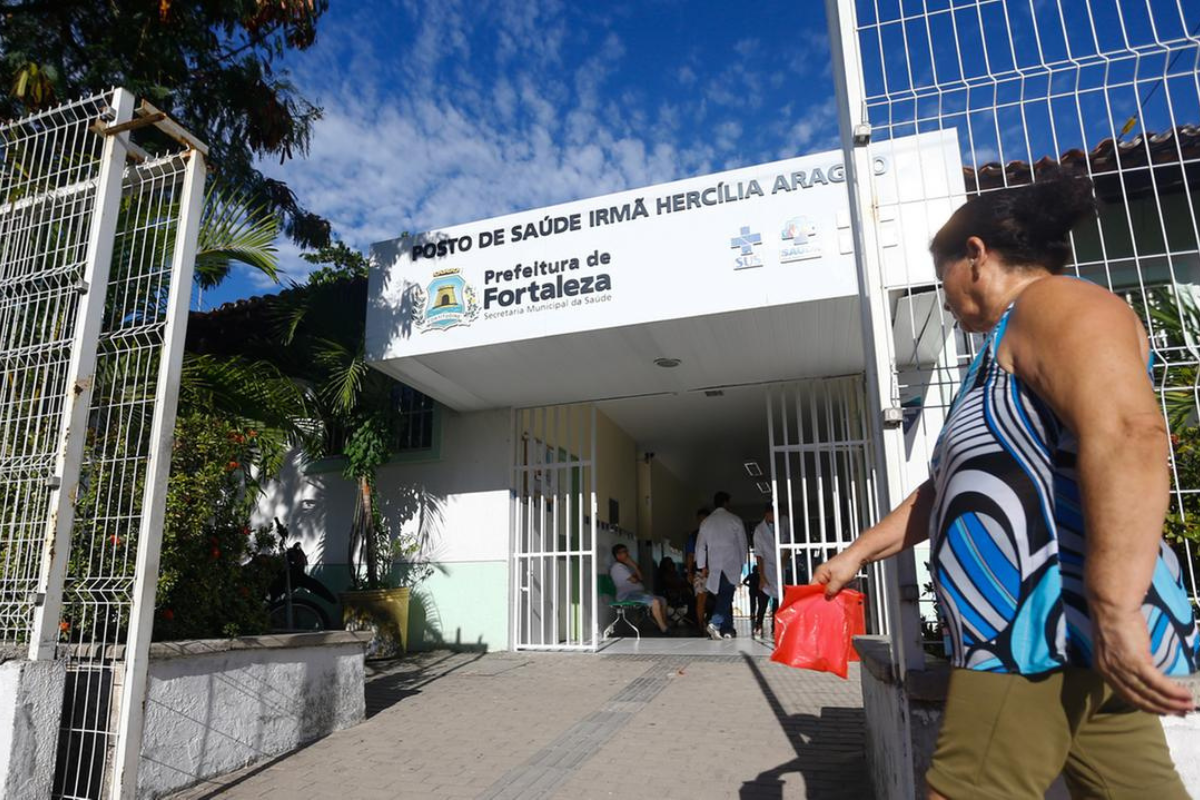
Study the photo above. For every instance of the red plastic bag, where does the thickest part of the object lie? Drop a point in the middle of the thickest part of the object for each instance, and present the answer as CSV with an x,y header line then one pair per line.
x,y
814,633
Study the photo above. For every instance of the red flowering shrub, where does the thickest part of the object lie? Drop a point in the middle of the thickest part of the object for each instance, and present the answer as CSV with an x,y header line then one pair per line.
x,y
215,569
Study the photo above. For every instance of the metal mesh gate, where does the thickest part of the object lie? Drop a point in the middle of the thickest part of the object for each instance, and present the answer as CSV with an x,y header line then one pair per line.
x,y
96,263
1108,88
823,478
554,528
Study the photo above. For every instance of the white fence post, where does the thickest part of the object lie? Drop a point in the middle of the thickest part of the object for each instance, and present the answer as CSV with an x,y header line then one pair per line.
x,y
141,623
80,382
887,439
887,443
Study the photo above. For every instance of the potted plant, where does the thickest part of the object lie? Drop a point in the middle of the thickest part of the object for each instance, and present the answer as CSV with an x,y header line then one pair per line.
x,y
373,603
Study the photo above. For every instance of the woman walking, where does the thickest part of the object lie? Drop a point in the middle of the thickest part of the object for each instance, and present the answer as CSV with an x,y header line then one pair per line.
x,y
1066,610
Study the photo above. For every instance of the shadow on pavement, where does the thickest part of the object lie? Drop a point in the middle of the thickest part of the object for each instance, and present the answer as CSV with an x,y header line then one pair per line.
x,y
829,751
387,683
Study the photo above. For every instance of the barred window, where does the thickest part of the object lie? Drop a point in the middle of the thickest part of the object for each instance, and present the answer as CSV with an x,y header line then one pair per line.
x,y
415,428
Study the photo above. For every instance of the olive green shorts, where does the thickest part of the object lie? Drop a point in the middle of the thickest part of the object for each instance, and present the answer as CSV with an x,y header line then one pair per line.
x,y
1009,736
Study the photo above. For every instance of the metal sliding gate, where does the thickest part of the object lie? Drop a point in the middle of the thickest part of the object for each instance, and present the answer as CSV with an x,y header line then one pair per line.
x,y
553,524
822,478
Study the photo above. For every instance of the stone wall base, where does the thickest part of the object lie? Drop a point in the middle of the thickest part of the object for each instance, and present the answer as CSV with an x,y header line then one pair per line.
x,y
31,698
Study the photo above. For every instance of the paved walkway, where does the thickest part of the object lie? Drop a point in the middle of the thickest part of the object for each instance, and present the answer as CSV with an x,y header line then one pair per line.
x,y
524,725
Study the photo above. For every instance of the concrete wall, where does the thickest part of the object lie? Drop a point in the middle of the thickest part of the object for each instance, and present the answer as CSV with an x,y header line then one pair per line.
x,y
460,490
672,505
1183,737
216,706
31,697
616,473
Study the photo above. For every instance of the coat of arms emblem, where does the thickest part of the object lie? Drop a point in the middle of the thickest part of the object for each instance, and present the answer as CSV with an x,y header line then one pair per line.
x,y
448,301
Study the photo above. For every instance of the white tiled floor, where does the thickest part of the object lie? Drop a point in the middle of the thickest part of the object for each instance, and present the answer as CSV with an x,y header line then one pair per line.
x,y
691,646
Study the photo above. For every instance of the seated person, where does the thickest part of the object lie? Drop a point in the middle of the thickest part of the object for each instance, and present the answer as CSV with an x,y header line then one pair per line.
x,y
627,577
673,587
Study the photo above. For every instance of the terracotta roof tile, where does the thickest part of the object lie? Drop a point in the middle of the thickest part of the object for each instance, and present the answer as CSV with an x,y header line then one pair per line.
x,y
1109,162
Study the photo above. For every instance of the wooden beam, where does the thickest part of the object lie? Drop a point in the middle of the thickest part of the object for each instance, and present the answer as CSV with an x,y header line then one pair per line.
x,y
132,125
171,128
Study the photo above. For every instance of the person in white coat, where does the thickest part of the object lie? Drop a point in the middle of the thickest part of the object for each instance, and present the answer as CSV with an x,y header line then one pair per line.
x,y
720,556
764,553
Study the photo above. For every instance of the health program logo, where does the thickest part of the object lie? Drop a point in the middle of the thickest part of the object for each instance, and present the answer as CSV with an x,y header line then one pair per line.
x,y
745,242
798,234
448,301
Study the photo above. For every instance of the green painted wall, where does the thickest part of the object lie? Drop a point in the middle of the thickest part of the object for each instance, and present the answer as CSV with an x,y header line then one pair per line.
x,y
462,604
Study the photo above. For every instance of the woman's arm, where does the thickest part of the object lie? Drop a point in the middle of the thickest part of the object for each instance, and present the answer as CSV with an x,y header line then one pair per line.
x,y
1083,351
906,526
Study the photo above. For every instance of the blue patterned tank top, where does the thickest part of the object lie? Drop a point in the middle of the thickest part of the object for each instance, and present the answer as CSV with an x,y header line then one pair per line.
x,y
1007,542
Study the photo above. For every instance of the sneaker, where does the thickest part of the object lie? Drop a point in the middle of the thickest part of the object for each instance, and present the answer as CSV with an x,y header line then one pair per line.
x,y
726,635
756,633
713,633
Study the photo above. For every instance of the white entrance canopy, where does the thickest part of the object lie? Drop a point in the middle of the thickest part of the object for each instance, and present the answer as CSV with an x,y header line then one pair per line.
x,y
739,277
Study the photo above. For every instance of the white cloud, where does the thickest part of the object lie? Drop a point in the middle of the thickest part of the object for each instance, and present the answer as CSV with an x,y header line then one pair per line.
x,y
481,109
747,47
727,134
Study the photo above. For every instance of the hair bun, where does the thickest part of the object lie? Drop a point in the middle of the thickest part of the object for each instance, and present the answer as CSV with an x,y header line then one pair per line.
x,y
1054,207
1029,225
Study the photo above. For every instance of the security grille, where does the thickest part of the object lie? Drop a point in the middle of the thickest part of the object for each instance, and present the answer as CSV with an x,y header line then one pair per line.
x,y
96,262
1107,88
554,528
823,481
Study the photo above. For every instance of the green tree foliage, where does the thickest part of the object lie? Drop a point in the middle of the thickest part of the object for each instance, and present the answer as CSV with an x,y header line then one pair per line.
x,y
212,65
315,335
323,327
243,391
1172,318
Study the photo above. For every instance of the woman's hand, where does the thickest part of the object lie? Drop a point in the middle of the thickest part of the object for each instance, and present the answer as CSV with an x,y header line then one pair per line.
x,y
1121,653
838,571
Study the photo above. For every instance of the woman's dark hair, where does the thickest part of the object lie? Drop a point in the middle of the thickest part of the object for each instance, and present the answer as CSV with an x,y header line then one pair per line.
x,y
1027,225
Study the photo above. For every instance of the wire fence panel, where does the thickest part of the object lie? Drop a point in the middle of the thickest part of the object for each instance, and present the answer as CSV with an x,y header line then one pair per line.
x,y
98,595
50,167
1028,89
95,272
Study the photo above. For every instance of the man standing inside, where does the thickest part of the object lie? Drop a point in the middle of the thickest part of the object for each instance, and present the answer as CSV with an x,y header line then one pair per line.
x,y
764,553
720,555
695,579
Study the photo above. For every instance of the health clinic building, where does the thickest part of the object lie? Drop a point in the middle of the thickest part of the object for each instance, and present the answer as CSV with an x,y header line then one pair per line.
x,y
593,371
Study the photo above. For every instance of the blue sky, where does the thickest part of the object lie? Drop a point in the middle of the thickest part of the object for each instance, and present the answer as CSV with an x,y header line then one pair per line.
x,y
446,111
450,111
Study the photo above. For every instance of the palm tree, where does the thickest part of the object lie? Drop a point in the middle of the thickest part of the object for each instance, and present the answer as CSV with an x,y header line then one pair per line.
x,y
1172,316
246,391
354,402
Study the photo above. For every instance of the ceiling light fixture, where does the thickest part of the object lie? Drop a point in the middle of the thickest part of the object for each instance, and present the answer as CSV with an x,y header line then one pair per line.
x,y
763,487
667,363
753,469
